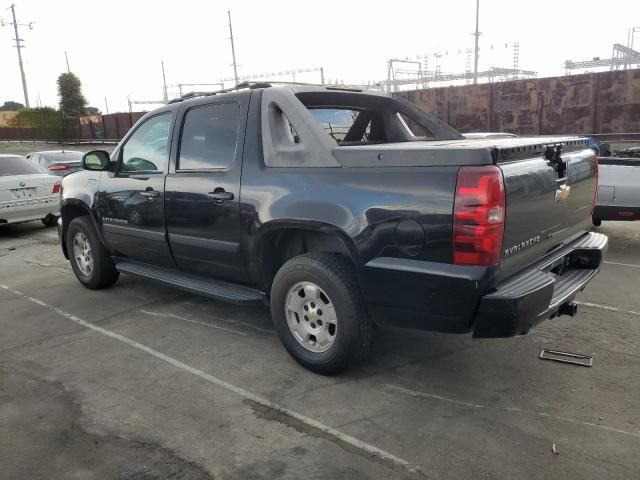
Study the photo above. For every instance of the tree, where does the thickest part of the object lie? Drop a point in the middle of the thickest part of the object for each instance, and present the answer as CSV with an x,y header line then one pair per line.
x,y
72,102
10,106
92,111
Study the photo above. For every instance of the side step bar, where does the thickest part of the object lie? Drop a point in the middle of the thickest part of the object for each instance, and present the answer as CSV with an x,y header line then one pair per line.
x,y
216,289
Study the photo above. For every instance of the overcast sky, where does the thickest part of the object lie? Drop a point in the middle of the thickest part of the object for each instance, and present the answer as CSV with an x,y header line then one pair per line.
x,y
116,46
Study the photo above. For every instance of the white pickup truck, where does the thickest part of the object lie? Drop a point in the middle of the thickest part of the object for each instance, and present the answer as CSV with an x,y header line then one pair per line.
x,y
618,188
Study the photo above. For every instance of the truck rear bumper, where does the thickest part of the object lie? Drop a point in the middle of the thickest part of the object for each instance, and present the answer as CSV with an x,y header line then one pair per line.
x,y
615,212
541,291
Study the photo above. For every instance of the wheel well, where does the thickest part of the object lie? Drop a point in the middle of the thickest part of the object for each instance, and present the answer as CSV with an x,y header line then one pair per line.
x,y
280,246
68,213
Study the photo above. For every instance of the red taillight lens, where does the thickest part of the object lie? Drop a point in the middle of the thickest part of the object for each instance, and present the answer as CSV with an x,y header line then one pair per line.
x,y
57,187
597,173
478,216
59,167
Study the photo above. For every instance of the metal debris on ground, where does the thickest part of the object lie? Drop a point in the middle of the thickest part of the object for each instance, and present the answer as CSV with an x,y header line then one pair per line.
x,y
567,357
554,449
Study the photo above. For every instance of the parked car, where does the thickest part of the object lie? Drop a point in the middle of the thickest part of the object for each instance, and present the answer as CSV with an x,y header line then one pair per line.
x,y
57,162
27,192
618,189
341,209
478,135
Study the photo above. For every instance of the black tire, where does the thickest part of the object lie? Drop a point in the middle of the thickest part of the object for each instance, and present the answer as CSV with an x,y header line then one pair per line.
x,y
103,273
596,222
50,220
354,333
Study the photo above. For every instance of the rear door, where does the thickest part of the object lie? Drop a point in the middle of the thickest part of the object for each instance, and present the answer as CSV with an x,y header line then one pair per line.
x,y
131,199
203,189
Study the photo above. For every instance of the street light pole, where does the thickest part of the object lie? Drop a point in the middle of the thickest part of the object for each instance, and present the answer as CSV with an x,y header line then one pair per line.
x,y
233,49
476,34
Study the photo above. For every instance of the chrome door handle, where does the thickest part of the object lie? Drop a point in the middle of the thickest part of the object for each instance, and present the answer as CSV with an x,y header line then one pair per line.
x,y
219,196
150,194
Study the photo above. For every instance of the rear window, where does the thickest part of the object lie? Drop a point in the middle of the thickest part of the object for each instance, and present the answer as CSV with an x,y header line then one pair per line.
x,y
63,156
17,166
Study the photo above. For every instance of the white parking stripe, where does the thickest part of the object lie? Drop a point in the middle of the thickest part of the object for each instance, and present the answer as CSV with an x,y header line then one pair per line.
x,y
183,319
623,264
343,437
607,307
415,393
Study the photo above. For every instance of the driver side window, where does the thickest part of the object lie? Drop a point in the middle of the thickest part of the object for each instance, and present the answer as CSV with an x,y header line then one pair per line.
x,y
147,150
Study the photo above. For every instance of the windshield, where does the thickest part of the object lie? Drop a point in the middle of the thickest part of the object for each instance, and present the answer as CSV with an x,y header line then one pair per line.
x,y
18,166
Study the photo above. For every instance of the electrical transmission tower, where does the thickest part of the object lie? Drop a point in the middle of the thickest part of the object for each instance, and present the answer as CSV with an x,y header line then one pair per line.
x,y
19,45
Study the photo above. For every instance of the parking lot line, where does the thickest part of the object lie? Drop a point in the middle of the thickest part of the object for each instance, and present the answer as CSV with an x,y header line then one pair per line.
x,y
415,393
196,322
622,264
607,307
360,445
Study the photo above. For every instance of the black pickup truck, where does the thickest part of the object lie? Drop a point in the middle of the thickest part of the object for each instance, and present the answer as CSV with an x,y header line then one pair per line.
x,y
340,209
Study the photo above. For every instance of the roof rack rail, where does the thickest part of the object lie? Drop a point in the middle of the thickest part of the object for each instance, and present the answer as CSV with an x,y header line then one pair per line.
x,y
239,86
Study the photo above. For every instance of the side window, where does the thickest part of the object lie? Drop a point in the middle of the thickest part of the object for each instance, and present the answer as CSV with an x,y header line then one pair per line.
x,y
413,127
148,148
209,137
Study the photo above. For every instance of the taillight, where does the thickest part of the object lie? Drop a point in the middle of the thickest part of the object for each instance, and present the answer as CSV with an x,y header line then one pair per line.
x,y
478,216
59,167
57,187
597,172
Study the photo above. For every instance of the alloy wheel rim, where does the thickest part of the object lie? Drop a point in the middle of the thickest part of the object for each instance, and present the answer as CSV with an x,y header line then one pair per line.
x,y
82,253
311,317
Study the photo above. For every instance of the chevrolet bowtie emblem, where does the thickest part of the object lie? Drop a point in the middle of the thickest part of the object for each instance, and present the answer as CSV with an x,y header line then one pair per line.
x,y
562,193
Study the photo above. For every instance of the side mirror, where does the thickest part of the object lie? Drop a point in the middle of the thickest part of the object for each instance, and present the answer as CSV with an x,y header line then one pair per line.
x,y
95,160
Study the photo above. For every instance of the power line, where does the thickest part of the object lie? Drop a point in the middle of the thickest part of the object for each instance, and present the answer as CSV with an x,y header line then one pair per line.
x,y
19,45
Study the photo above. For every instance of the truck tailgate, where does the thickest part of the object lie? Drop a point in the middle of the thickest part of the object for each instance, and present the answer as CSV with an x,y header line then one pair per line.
x,y
549,189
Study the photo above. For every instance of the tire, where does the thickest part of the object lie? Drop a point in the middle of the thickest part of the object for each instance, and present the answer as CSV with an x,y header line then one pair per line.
x,y
339,293
102,272
50,220
596,222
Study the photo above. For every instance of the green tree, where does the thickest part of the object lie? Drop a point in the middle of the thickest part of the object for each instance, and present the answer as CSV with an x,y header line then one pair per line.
x,y
10,106
72,102
92,111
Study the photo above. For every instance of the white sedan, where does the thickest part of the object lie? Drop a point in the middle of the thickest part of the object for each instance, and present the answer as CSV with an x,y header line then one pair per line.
x,y
27,192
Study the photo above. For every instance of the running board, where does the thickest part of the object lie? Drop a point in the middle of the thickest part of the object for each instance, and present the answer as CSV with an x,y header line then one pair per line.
x,y
216,289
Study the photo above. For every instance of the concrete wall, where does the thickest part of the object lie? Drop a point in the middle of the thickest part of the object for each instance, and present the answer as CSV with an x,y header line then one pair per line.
x,y
605,102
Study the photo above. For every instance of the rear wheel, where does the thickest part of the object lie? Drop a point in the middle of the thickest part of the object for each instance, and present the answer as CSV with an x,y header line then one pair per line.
x,y
319,312
89,259
50,220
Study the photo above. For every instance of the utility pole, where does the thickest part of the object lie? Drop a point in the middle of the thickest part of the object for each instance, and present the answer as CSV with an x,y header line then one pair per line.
x,y
67,60
233,49
477,35
19,46
106,105
164,83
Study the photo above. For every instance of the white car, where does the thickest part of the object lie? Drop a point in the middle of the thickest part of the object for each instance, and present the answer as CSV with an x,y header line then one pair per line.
x,y
27,192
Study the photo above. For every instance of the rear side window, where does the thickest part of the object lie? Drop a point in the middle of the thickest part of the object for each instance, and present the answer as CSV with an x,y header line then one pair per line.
x,y
346,125
209,137
17,166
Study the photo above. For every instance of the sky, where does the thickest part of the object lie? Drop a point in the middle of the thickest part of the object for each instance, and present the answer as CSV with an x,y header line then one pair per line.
x,y
116,47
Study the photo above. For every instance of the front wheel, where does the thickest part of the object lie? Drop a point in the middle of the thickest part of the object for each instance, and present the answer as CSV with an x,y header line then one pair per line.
x,y
319,312
89,259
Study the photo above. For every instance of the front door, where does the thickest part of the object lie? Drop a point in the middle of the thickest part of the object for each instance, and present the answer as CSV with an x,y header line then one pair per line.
x,y
130,199
203,191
